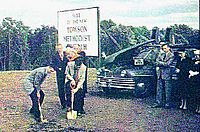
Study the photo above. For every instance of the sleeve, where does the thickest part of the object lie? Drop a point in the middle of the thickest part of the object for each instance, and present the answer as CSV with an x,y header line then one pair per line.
x,y
167,63
195,67
65,62
38,80
159,62
68,74
81,78
178,63
54,63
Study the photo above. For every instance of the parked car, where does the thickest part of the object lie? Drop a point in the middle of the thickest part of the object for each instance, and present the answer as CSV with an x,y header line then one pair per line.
x,y
133,69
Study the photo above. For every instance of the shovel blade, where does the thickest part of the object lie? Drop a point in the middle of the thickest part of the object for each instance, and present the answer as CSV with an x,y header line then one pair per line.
x,y
71,114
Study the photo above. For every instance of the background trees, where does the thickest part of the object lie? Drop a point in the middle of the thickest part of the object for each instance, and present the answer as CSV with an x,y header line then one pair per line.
x,y
14,44
25,48
42,46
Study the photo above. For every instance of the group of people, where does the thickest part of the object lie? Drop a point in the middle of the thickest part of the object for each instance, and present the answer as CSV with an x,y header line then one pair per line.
x,y
71,73
187,70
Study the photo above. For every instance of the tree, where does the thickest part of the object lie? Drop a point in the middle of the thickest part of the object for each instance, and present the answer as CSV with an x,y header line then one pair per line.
x,y
14,44
115,37
23,48
182,33
141,34
42,45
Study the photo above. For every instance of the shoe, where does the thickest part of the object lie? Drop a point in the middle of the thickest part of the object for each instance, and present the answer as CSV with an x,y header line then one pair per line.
x,y
63,107
69,109
38,119
167,106
197,110
181,107
156,106
82,112
184,108
44,121
78,114
31,111
41,120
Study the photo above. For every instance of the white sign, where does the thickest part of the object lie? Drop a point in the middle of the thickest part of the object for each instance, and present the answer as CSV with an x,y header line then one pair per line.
x,y
79,26
138,62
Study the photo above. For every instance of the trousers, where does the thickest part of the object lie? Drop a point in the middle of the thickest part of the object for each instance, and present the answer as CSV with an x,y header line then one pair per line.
x,y
61,88
35,102
164,89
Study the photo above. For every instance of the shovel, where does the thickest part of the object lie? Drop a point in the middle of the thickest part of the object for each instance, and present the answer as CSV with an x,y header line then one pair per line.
x,y
72,114
41,115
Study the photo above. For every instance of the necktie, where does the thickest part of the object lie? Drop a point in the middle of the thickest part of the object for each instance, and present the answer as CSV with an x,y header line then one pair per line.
x,y
61,56
164,57
76,79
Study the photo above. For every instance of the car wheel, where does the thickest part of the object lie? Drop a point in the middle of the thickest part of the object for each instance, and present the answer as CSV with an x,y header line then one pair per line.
x,y
138,93
106,90
145,91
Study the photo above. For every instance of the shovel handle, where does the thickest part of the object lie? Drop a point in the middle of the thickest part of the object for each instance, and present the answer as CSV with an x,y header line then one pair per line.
x,y
40,109
72,100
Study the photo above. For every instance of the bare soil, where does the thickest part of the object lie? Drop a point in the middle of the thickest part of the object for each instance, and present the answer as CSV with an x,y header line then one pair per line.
x,y
118,112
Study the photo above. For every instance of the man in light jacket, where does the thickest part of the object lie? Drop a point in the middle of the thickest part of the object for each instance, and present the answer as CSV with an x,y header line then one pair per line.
x,y
75,78
32,84
164,70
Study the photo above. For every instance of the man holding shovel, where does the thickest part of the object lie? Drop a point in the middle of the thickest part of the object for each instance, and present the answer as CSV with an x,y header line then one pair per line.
x,y
32,84
75,78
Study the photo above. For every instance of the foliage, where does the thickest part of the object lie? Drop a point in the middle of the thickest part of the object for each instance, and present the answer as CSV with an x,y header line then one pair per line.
x,y
185,34
42,45
24,48
141,33
116,37
14,44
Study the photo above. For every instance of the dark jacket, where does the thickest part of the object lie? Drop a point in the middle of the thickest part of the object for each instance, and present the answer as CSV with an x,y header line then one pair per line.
x,y
185,65
58,64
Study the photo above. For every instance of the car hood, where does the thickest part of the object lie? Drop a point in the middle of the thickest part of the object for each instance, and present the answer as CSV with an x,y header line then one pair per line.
x,y
124,52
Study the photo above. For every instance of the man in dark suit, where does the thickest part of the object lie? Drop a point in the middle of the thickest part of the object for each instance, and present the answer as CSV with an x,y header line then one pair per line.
x,y
59,62
164,70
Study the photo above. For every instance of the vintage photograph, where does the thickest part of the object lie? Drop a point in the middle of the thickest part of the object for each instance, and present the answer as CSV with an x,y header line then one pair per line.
x,y
99,66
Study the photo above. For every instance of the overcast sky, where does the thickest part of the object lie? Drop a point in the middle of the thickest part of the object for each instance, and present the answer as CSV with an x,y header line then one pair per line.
x,y
150,13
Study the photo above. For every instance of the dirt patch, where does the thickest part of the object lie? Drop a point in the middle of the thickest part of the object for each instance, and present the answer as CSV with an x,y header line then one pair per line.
x,y
116,112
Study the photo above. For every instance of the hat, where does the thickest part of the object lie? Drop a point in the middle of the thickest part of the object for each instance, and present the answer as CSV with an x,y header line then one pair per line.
x,y
74,54
68,50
